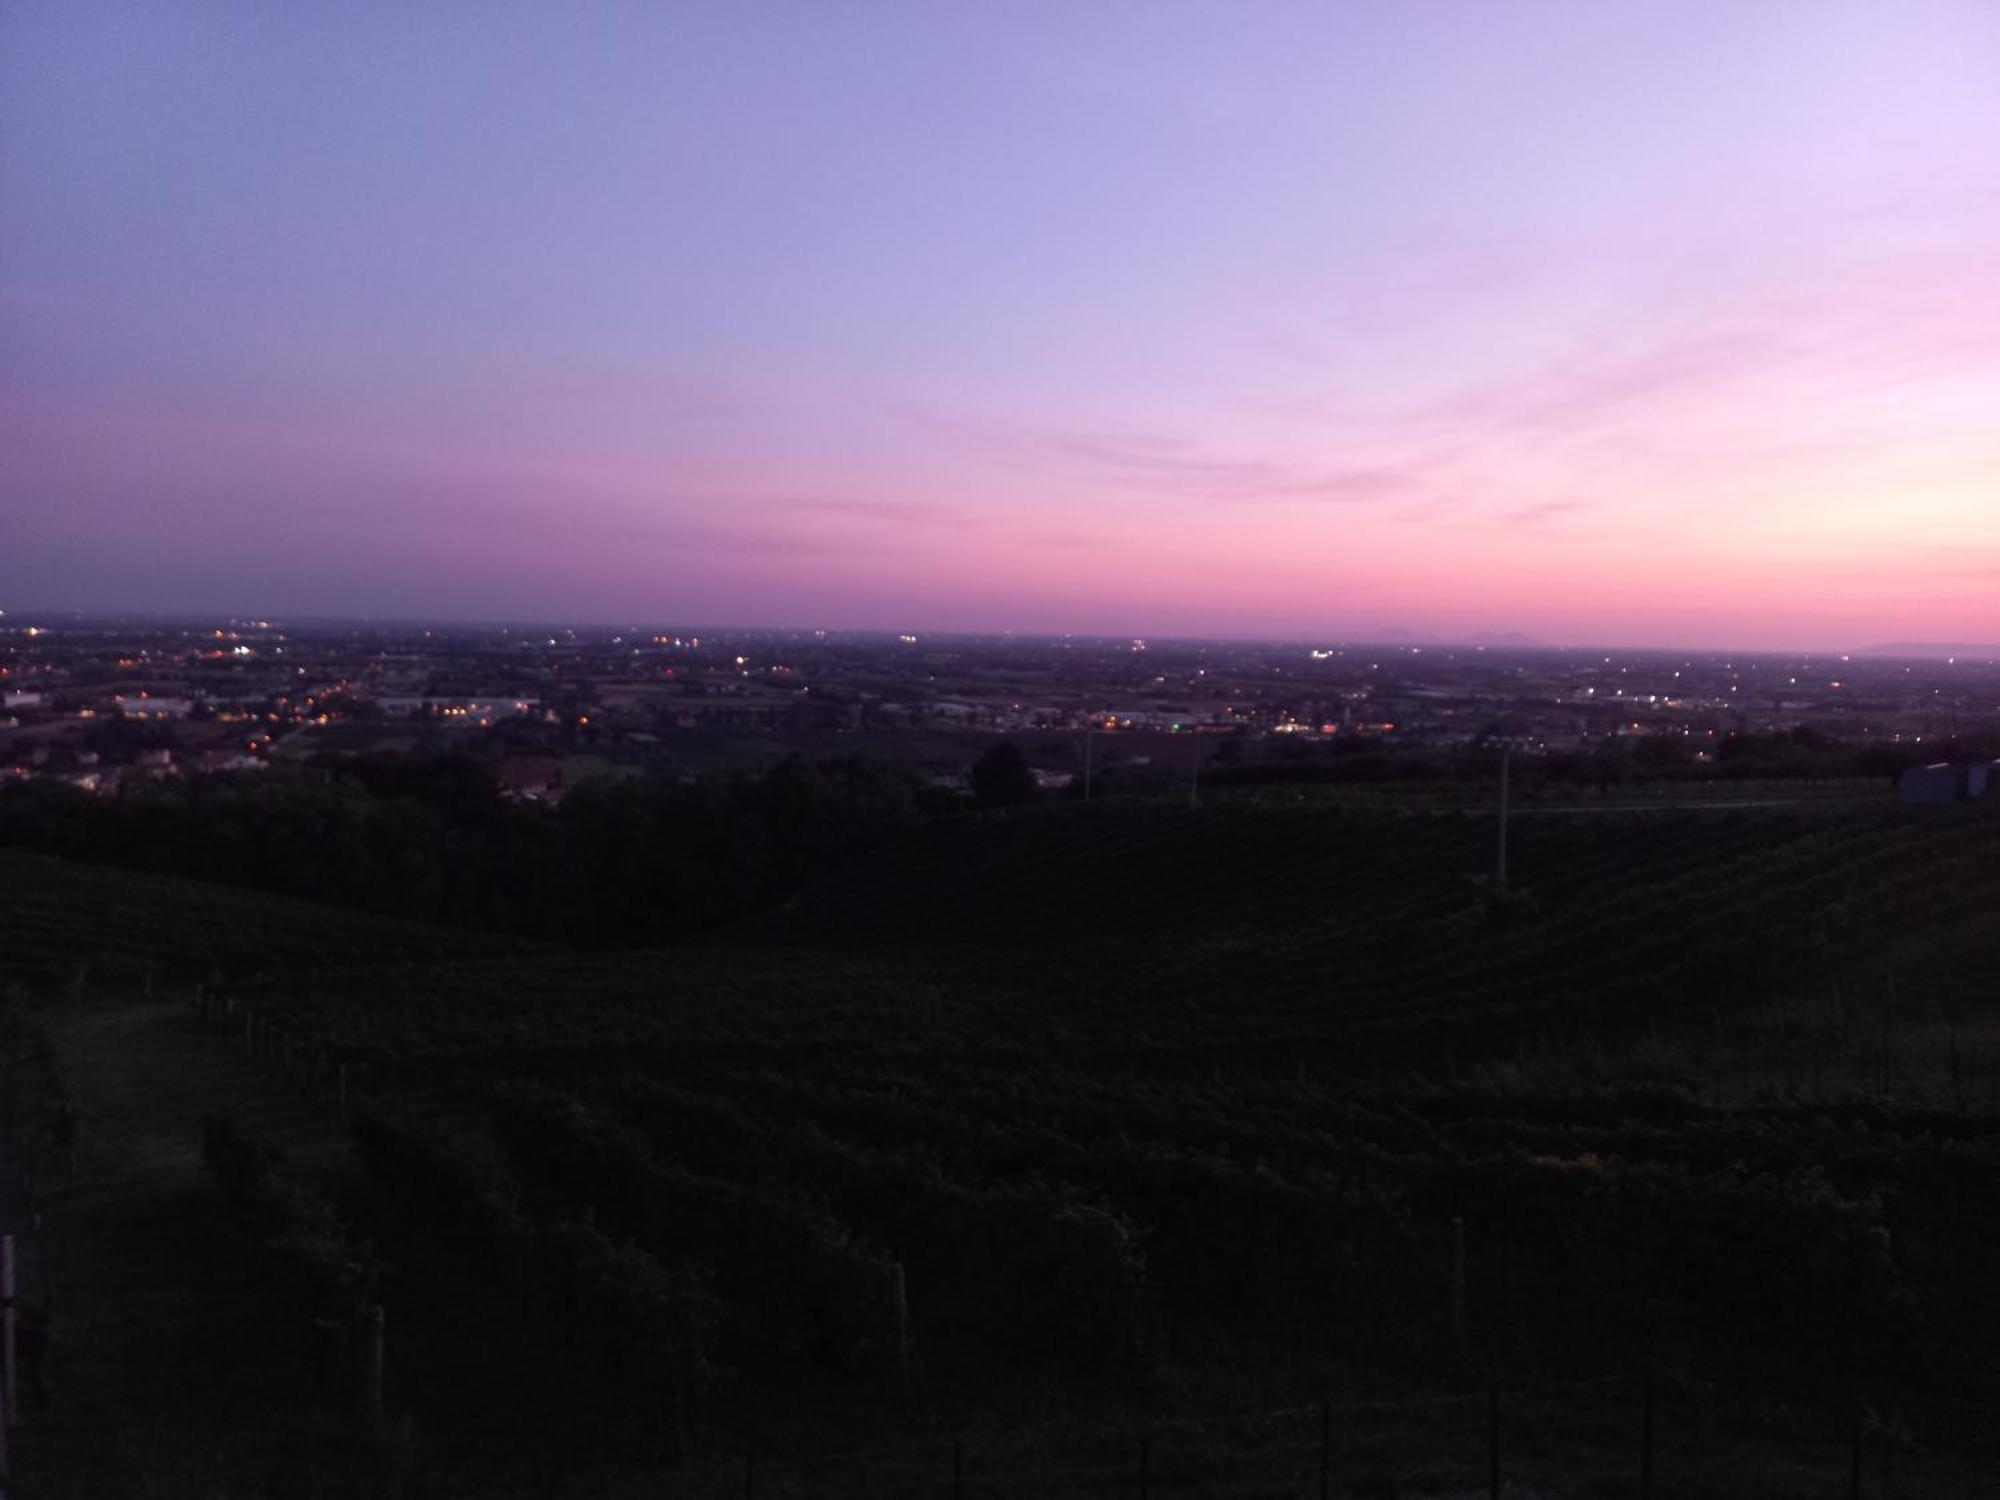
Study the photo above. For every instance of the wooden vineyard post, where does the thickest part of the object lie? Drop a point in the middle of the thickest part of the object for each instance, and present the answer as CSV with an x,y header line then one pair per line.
x,y
899,1295
67,1132
8,1323
42,1260
1646,1442
1493,1441
1458,1287
371,1395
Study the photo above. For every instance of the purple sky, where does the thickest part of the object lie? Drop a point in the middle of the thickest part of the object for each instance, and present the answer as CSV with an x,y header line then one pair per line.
x,y
1672,323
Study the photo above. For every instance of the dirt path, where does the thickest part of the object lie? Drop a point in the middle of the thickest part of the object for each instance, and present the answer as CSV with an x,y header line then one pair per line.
x,y
171,1372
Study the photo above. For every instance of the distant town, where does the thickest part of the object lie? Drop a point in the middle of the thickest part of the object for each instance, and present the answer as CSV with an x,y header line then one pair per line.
x,y
101,701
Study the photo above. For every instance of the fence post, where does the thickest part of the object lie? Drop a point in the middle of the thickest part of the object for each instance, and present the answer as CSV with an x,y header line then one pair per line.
x,y
1458,1287
1325,1449
957,1469
7,1312
1854,1468
1493,1440
899,1293
749,1475
1646,1442
372,1393
1145,1467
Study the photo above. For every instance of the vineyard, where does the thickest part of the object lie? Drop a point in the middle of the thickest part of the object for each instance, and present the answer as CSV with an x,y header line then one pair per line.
x,y
1104,1119
65,921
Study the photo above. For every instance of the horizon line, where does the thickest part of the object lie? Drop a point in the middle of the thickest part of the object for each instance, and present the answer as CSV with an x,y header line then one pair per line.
x,y
1395,638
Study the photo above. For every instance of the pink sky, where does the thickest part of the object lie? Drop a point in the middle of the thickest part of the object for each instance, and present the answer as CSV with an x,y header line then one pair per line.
x,y
1642,324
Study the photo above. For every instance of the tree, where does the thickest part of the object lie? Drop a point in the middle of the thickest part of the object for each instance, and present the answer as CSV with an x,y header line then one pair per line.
x,y
1002,777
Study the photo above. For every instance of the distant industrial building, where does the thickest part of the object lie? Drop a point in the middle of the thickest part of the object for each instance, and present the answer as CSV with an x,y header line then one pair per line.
x,y
147,706
475,710
1944,782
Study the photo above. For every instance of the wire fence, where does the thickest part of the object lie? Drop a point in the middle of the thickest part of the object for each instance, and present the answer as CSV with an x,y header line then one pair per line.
x,y
1623,1436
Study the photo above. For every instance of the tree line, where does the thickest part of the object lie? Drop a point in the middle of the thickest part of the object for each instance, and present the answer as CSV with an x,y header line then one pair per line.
x,y
619,862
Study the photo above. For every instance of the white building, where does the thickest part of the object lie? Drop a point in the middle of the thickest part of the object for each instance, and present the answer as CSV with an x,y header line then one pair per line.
x,y
146,706
459,710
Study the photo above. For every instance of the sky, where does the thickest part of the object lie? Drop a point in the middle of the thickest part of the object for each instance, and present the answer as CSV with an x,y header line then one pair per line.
x,y
1638,323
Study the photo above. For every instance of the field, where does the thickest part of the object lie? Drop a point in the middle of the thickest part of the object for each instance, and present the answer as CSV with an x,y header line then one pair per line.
x,y
1132,1148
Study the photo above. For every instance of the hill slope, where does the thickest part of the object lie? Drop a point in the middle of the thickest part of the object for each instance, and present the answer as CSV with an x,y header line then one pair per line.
x,y
62,917
1153,1113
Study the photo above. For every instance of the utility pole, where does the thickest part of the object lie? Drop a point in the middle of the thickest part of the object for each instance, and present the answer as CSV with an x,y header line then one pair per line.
x,y
1505,756
1194,777
1087,726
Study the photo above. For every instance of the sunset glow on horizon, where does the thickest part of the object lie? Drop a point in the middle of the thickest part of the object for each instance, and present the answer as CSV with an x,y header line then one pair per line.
x,y
1653,324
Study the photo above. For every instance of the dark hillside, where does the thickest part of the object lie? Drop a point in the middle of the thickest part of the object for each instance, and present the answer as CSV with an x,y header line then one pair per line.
x,y
1077,874
1296,924
60,919
1041,1128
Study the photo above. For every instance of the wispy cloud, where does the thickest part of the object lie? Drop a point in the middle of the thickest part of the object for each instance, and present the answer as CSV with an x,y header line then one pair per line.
x,y
1544,511
897,514
1585,391
1173,465
1980,564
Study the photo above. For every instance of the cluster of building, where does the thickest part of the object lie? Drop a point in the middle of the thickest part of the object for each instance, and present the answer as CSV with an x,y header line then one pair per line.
x,y
96,700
